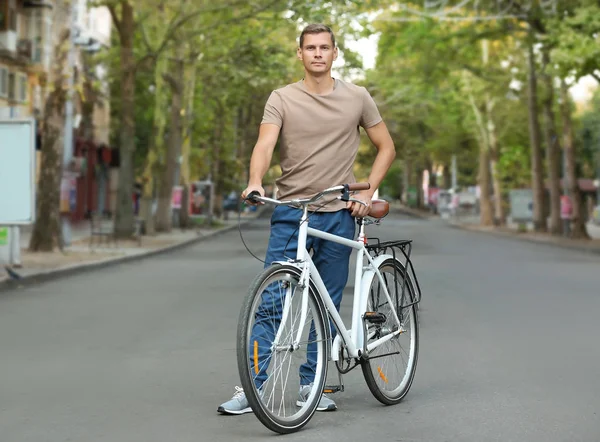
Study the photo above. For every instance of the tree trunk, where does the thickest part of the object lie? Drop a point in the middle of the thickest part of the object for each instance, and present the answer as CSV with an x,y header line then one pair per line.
x,y
156,147
169,176
446,177
88,100
432,175
420,193
124,210
578,229
406,177
494,155
216,163
486,215
247,140
537,173
186,148
552,148
46,232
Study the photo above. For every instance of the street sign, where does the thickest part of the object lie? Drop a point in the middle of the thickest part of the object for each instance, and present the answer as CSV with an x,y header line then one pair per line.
x,y
3,236
17,171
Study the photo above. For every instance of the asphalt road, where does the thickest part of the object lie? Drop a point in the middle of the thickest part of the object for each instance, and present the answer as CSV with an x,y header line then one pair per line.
x,y
145,351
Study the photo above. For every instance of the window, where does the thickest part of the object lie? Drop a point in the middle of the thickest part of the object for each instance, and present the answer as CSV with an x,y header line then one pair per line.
x,y
37,49
12,15
3,82
11,86
8,15
23,86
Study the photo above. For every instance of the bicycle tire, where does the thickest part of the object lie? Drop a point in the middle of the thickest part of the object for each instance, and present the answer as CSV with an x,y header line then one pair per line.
x,y
392,397
246,367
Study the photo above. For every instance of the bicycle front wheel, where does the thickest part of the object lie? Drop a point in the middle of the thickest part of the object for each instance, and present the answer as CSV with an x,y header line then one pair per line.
x,y
390,368
282,346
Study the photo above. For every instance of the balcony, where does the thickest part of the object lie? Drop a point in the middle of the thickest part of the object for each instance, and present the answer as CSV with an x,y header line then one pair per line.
x,y
8,41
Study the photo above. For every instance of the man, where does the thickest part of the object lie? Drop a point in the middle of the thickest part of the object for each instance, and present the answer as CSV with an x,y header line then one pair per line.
x,y
318,119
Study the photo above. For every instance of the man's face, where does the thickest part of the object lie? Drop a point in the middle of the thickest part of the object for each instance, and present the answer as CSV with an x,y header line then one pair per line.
x,y
317,53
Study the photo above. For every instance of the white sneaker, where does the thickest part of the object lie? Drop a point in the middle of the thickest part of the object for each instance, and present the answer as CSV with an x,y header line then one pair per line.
x,y
325,404
238,404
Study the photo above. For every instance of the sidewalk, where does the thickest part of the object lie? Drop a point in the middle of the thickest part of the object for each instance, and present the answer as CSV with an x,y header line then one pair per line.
x,y
80,256
471,223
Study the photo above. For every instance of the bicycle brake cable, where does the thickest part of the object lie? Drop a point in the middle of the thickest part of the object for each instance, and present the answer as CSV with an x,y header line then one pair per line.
x,y
241,236
307,218
289,239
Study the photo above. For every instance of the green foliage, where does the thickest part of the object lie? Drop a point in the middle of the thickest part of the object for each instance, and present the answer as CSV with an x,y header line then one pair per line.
x,y
575,38
391,185
514,167
241,51
418,83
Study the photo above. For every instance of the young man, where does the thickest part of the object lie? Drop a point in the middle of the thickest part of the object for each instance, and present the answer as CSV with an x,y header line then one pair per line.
x,y
318,119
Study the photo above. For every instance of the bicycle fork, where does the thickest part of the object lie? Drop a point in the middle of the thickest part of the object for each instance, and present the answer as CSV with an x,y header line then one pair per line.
x,y
303,284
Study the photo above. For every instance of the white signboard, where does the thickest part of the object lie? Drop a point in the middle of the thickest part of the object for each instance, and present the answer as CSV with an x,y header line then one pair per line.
x,y
521,205
17,171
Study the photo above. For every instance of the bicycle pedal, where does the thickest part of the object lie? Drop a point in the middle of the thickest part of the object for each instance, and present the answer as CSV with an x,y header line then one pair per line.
x,y
333,389
375,317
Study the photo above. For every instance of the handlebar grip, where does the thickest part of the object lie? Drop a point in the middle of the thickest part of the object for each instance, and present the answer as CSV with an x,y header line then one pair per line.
x,y
251,196
359,186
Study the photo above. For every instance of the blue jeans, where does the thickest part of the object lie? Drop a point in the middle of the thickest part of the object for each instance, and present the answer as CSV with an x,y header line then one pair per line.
x,y
332,260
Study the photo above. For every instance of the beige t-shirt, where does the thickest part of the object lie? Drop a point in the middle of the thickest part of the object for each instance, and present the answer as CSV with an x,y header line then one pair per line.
x,y
320,135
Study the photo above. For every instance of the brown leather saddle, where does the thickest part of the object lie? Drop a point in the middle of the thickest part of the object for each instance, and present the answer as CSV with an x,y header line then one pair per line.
x,y
379,209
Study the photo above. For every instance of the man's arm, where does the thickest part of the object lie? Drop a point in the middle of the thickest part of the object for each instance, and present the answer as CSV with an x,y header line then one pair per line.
x,y
386,152
261,157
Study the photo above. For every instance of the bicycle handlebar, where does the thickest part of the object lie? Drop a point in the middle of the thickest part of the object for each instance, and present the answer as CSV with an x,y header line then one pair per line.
x,y
255,197
358,186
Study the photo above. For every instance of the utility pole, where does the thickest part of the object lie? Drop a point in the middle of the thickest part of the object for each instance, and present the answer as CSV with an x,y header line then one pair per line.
x,y
68,135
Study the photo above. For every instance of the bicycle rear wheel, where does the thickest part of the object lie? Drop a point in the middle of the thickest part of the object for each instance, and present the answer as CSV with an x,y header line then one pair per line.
x,y
390,368
272,353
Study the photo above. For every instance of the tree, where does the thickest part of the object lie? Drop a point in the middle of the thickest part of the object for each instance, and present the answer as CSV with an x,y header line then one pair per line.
x,y
122,12
46,233
537,177
145,37
579,229
457,64
575,50
552,144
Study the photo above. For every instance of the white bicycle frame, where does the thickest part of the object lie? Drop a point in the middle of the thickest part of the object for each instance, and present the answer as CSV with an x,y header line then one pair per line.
x,y
353,337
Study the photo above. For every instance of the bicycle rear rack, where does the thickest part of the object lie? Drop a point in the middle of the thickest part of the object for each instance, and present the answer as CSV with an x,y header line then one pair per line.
x,y
396,247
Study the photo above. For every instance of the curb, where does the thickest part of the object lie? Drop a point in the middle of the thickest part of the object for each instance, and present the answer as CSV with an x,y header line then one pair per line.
x,y
516,237
52,274
412,212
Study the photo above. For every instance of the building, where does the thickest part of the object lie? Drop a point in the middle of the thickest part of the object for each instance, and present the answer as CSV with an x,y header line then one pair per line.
x,y
26,31
25,54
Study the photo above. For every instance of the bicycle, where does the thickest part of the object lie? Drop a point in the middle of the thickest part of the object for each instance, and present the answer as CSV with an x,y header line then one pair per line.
x,y
291,298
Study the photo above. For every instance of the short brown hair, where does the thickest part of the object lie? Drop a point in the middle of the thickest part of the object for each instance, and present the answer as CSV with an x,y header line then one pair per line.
x,y
316,28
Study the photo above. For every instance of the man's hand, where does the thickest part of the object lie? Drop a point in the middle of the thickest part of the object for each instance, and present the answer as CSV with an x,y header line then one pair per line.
x,y
360,210
252,188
